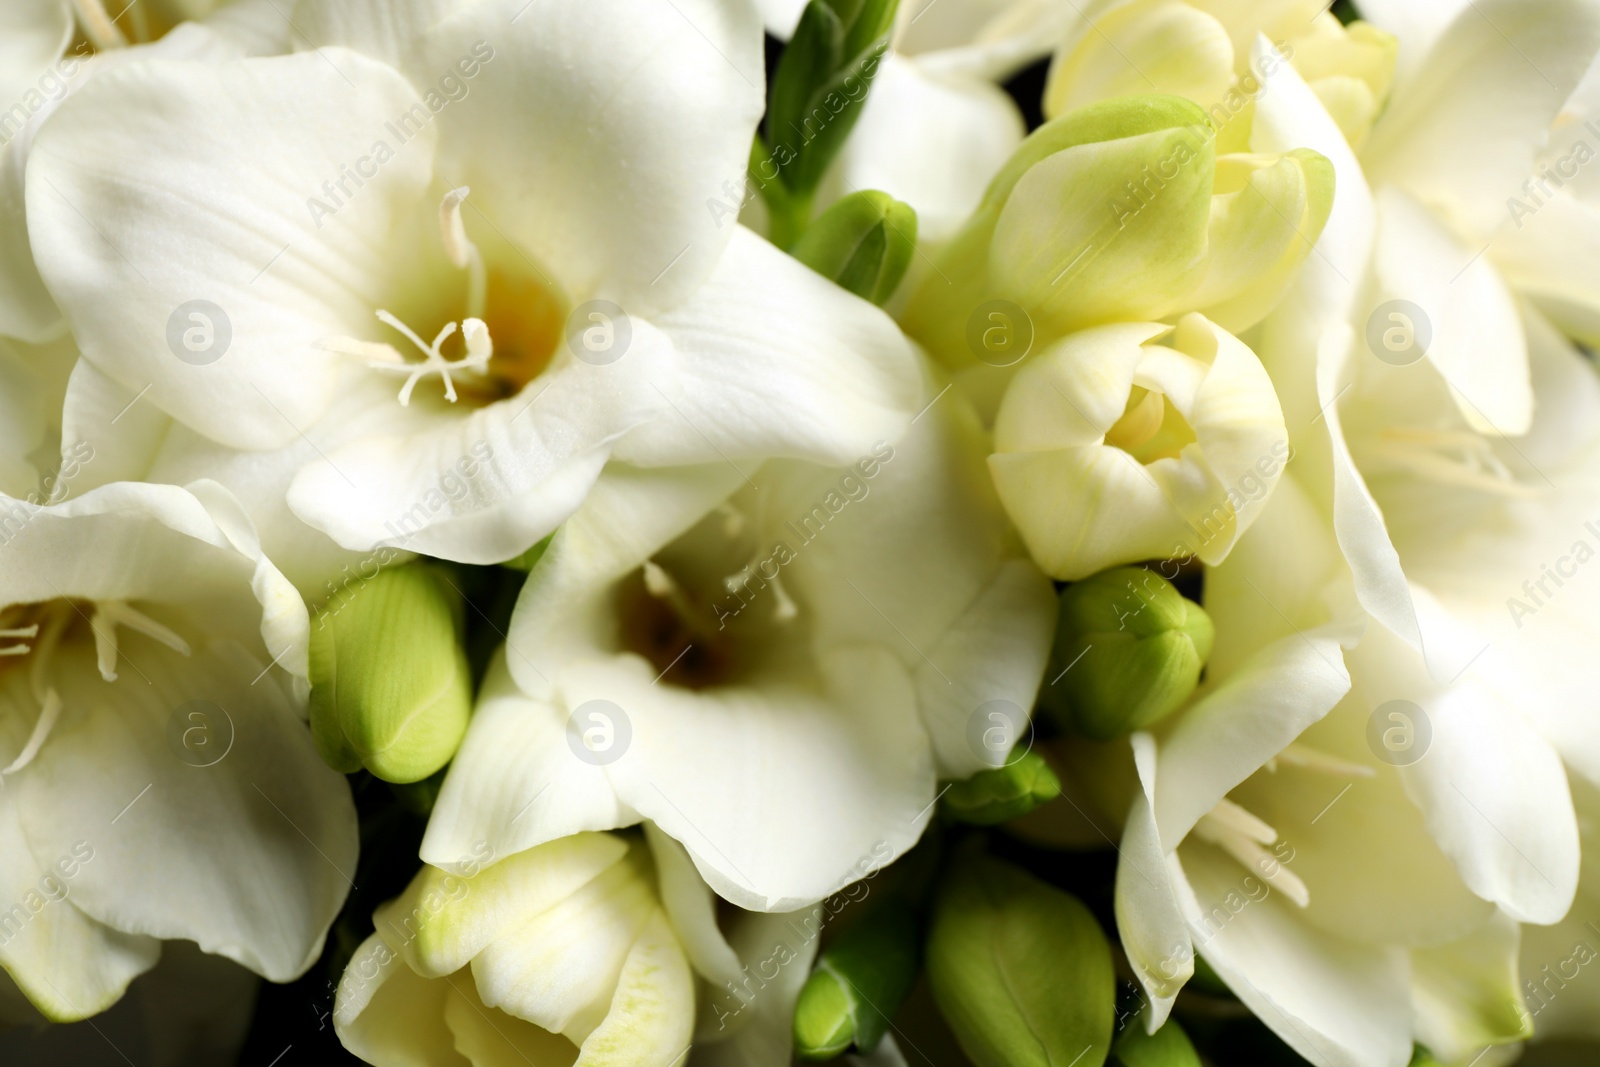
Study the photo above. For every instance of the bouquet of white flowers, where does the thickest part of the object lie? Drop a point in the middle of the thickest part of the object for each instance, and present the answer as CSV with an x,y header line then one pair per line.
x,y
633,533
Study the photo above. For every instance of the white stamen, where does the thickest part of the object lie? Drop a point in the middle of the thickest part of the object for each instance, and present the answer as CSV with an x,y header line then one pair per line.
x,y
1313,759
1239,821
48,714
21,631
658,581
461,251
1241,835
732,520
382,357
110,614
97,25
786,609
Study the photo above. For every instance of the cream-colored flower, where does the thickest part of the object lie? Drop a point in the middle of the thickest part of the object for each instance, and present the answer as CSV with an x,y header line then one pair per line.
x,y
1138,441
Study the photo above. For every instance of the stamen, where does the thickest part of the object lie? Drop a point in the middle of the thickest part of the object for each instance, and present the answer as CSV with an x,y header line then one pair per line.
x,y
1450,457
732,520
462,252
786,609
1241,835
49,712
661,585
22,631
1313,759
97,25
108,615
480,349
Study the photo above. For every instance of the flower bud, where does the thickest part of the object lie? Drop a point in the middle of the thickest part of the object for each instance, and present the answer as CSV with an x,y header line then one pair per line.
x,y
863,243
1020,970
1132,648
867,972
1120,212
1004,793
1138,441
390,686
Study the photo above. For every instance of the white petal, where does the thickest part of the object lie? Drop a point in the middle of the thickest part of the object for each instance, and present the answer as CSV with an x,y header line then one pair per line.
x,y
250,856
652,1014
69,965
389,1015
758,1031
782,793
1464,133
514,783
1154,932
481,487
1337,1003
691,907
773,360
1466,993
931,141
605,184
489,1037
1477,341
127,181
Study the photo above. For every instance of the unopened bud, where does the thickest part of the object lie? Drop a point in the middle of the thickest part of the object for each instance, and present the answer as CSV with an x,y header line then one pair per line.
x,y
863,242
867,972
1132,648
390,686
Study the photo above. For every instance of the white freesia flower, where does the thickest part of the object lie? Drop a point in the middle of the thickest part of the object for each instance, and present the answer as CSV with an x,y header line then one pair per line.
x,y
1202,49
1306,853
1137,441
40,66
158,779
591,946
409,239
778,685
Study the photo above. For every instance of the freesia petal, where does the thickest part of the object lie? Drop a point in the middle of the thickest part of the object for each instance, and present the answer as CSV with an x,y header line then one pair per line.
x,y
1466,993
691,908
651,1015
389,1015
605,184
1337,1003
1145,46
178,135
1464,133
448,914
816,783
250,856
489,1037
1154,932
67,964
513,783
761,1032
773,360
1477,342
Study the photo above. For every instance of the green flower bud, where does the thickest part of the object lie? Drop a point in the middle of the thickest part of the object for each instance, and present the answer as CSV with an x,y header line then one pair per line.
x,y
1122,211
390,686
867,972
1132,648
1421,1057
1020,970
863,242
1167,1047
1004,793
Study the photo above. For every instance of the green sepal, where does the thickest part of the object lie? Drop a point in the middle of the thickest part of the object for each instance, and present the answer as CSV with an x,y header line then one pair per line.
x,y
864,242
1167,1047
1004,793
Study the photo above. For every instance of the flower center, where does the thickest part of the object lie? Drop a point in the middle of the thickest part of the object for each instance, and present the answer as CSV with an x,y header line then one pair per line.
x,y
1150,428
36,630
676,632
508,336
